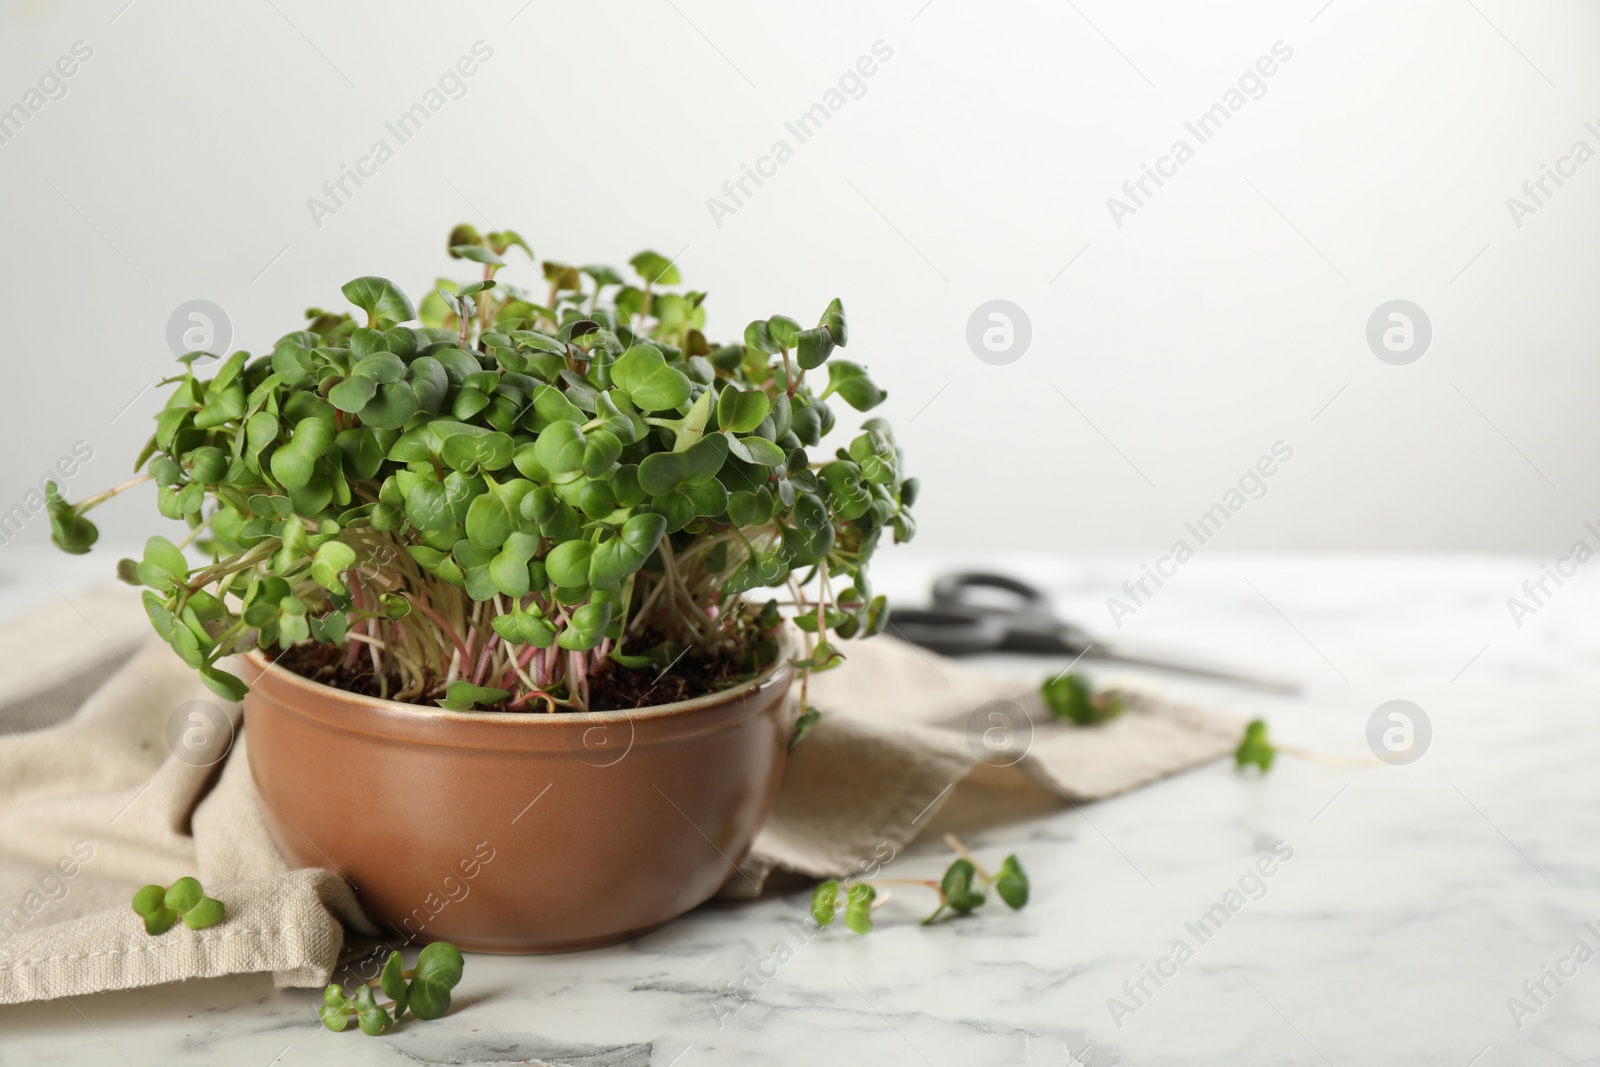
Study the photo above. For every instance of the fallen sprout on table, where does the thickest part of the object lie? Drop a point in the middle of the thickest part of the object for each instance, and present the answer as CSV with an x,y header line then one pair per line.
x,y
1072,697
162,906
424,991
1255,748
959,890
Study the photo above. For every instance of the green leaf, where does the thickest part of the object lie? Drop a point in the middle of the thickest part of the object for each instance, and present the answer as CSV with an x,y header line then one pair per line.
x,y
661,473
568,563
1012,883
164,556
552,405
393,983
586,628
858,907
1255,748
464,233
813,347
875,453
555,518
381,299
208,465
824,900
331,560
561,277
356,391
69,530
464,696
758,335
149,900
613,560
691,501
372,1019
643,375
208,912
845,491
329,629
488,521
741,410
391,407
600,451
750,507
335,1010
477,255
225,685
956,890
783,330
438,972
756,450
559,448
260,431
295,464
850,381
362,452
503,241
428,507
655,268
159,921
429,382
759,569
509,575
184,894
1071,697
833,318
803,725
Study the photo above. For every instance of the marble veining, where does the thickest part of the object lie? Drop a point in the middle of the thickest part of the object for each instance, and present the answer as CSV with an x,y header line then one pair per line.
x,y
1420,901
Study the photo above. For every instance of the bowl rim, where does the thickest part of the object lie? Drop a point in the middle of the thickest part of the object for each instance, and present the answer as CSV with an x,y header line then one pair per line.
x,y
767,677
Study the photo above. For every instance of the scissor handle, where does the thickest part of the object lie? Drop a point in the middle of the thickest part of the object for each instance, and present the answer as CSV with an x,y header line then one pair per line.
x,y
948,631
1028,623
950,591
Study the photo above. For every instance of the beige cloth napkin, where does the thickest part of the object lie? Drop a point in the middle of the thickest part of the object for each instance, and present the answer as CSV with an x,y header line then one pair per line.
x,y
94,803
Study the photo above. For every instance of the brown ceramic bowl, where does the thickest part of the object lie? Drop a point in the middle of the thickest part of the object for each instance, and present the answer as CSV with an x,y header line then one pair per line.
x,y
503,832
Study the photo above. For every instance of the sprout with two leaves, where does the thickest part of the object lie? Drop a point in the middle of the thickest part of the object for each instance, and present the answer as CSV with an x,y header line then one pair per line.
x,y
960,891
424,991
162,906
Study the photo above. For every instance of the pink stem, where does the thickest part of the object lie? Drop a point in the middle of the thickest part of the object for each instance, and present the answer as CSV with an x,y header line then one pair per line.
x,y
443,626
353,648
483,658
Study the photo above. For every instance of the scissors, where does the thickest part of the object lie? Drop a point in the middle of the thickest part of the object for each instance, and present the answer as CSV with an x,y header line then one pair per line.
x,y
959,625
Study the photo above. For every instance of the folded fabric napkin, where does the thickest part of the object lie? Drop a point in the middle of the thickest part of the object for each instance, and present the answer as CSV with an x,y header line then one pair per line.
x,y
97,797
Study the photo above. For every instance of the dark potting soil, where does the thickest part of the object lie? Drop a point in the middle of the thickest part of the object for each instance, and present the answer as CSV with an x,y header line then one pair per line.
x,y
617,688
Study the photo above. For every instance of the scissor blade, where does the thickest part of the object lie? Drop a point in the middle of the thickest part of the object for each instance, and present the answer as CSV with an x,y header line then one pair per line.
x,y
1195,668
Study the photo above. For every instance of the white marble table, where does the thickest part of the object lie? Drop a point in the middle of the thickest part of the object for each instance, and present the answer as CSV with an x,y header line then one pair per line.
x,y
1417,901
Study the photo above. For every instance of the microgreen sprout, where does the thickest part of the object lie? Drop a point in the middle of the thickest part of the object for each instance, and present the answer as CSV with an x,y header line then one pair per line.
x,y
959,891
1255,748
802,726
1072,697
496,498
162,906
424,991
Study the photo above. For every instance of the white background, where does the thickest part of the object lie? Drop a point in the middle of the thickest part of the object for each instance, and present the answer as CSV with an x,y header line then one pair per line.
x,y
1223,316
